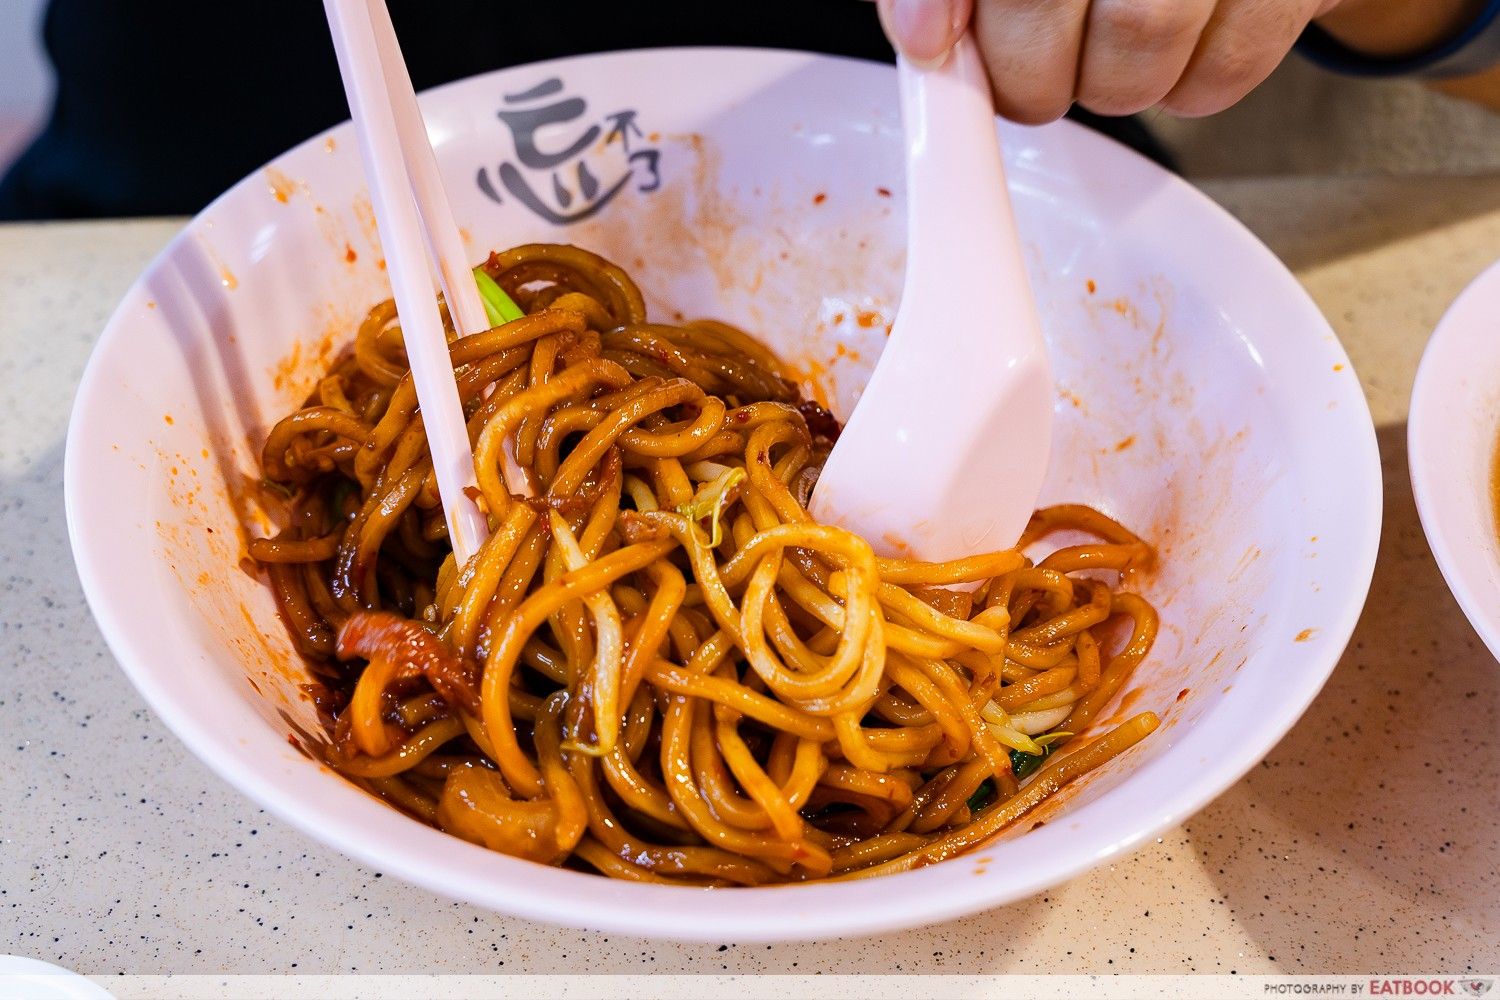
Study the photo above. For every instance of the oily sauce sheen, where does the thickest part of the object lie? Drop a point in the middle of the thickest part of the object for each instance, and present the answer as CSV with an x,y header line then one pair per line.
x,y
659,667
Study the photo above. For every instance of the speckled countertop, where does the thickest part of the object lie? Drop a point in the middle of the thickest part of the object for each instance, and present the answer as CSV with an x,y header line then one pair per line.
x,y
1368,840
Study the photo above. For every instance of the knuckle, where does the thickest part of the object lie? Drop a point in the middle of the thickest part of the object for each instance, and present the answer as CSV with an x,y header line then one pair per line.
x,y
1236,65
1106,91
1144,24
1223,75
1219,77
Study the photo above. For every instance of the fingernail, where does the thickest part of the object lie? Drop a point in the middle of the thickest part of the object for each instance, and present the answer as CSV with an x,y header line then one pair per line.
x,y
924,30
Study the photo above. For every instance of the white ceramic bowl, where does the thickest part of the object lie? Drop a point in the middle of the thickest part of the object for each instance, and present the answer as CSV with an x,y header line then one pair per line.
x,y
1202,399
1453,432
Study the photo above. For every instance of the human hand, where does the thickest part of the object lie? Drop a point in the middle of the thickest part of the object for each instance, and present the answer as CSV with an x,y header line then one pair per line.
x,y
1119,57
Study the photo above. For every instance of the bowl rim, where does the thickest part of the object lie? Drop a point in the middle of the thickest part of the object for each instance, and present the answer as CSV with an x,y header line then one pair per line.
x,y
1430,391
779,913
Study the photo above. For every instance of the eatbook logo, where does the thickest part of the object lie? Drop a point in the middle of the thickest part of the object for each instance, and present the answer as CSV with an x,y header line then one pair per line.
x,y
568,163
1476,987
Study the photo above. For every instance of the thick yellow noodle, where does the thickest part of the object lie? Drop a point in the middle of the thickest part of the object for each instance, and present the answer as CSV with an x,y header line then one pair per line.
x,y
659,667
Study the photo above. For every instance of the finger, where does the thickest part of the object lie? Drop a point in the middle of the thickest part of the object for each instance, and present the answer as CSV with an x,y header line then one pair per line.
x,y
1242,43
924,30
1134,51
1031,49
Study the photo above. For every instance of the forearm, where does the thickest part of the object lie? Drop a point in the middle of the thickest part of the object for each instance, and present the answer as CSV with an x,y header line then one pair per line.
x,y
1396,28
1481,88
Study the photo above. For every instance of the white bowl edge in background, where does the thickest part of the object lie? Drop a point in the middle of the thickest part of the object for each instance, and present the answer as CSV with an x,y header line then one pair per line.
x,y
1453,432
23,978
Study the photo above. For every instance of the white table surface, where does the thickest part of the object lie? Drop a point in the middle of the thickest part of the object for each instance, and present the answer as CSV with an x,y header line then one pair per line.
x,y
1368,841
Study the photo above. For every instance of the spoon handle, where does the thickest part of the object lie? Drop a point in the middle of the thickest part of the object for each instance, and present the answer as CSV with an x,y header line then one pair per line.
x,y
961,231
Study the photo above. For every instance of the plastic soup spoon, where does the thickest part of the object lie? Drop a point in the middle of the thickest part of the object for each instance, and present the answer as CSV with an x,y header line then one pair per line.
x,y
945,452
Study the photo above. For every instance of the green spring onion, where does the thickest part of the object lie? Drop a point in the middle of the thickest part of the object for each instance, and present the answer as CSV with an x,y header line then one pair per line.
x,y
498,307
709,502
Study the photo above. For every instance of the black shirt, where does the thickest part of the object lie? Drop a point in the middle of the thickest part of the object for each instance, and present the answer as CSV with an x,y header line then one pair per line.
x,y
162,105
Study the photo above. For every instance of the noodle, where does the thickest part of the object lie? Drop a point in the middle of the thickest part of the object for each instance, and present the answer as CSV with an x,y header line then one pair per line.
x,y
658,667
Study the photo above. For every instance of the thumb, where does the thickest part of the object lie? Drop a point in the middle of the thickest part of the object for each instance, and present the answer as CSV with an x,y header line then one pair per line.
x,y
924,30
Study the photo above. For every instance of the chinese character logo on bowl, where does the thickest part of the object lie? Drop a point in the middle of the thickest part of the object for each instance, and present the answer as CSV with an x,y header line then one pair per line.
x,y
580,166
